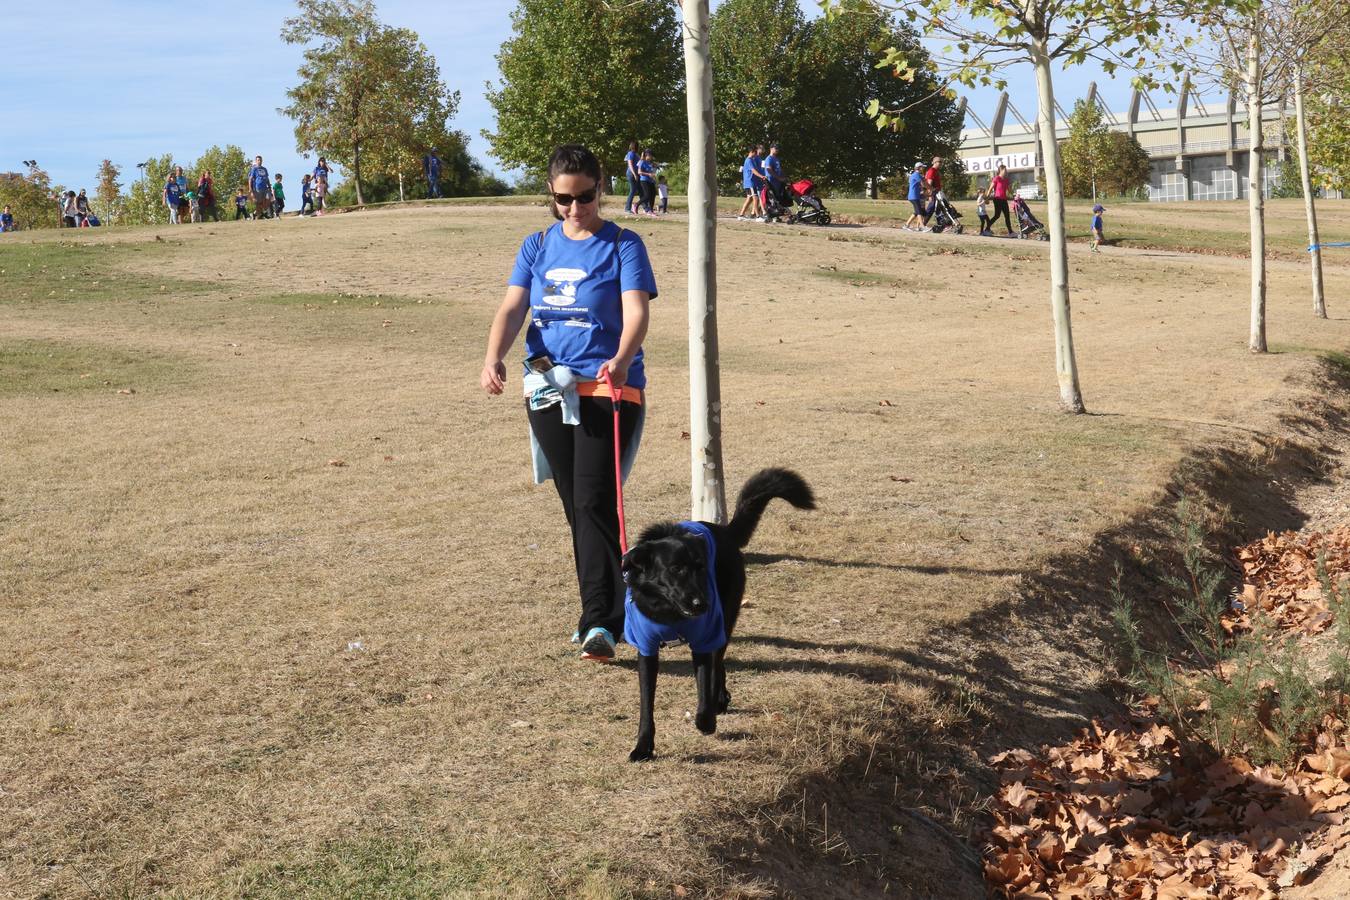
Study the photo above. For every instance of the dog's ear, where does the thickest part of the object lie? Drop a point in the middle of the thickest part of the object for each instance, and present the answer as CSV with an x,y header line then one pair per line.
x,y
635,560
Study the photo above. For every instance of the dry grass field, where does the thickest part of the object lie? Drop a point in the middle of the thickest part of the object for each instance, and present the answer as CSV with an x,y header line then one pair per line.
x,y
283,615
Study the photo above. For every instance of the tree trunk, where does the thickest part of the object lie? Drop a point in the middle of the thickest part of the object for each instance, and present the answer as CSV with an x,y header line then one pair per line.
x,y
708,483
1066,367
356,171
1256,204
1309,201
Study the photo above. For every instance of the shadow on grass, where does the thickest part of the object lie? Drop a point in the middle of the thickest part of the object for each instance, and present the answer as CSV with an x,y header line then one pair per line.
x,y
1029,670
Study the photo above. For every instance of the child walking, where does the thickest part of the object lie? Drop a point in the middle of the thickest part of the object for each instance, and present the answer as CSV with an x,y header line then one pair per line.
x,y
982,209
1097,227
320,192
278,196
306,194
664,190
240,205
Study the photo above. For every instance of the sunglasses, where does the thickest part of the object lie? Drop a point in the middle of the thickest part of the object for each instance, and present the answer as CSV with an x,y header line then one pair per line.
x,y
582,198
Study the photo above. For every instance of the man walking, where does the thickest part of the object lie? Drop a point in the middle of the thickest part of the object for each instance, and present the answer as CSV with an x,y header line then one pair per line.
x,y
260,184
431,167
773,175
915,197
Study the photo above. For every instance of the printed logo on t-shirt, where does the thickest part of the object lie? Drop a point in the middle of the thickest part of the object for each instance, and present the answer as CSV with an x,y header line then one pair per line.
x,y
560,288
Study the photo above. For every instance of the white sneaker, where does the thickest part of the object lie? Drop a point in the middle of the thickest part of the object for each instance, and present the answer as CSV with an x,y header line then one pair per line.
x,y
740,218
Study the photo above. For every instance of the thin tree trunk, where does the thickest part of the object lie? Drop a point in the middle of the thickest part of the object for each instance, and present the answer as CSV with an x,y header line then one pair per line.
x,y
1256,204
1309,201
1066,366
356,171
708,482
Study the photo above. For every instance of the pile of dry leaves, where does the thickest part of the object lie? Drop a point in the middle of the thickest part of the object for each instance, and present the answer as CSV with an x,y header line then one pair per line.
x,y
1280,571
1127,812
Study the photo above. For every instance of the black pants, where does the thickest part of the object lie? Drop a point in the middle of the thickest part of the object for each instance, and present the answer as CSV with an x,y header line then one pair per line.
x,y
648,194
986,223
1001,206
582,459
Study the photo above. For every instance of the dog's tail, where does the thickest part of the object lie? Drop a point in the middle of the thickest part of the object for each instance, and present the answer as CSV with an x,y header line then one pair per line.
x,y
762,487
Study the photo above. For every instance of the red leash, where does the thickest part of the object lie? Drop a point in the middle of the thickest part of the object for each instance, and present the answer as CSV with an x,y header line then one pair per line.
x,y
615,398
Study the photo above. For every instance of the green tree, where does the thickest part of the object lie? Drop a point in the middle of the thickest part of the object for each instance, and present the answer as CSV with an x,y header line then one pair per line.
x,y
760,53
1329,118
29,198
108,200
578,71
365,90
1099,161
846,85
145,199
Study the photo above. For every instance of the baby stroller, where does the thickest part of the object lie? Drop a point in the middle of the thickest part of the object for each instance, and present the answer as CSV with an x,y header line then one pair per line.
x,y
810,209
944,216
776,203
1028,225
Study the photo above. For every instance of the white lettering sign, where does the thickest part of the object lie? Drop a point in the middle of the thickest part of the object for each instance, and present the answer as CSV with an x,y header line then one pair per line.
x,y
988,164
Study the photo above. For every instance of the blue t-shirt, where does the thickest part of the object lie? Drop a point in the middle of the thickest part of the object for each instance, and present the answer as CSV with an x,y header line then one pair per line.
x,y
773,167
647,168
631,157
6,219
706,634
172,195
915,186
259,179
1097,223
748,172
433,166
576,295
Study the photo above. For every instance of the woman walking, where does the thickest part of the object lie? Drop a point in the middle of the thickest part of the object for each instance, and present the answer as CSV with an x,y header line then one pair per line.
x,y
584,285
998,186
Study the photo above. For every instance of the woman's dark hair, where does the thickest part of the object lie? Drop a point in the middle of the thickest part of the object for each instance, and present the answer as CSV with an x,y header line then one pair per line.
x,y
632,145
573,159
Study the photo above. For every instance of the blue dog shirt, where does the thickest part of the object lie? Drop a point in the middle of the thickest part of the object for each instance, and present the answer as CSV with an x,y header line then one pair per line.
x,y
705,634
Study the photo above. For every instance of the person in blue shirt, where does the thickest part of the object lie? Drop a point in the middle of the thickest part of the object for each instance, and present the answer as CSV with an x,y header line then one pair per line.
x,y
915,197
752,179
431,168
584,286
1097,238
260,185
172,197
647,174
630,162
6,220
773,173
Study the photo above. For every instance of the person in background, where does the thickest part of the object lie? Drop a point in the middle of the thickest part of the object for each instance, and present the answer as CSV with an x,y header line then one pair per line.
x,y
578,356
194,207
82,209
306,194
1097,238
998,186
6,220
915,197
181,177
321,170
664,191
752,177
773,175
240,205
982,210
260,184
278,196
206,196
320,193
630,161
173,199
431,167
647,172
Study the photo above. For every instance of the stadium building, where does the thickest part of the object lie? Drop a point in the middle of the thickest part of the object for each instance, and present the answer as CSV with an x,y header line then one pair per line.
x,y
1198,150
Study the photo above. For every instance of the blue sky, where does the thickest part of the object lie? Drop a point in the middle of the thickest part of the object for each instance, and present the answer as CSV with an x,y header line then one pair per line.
x,y
129,79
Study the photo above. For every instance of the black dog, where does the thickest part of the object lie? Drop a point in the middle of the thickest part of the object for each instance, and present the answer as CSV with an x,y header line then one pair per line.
x,y
674,595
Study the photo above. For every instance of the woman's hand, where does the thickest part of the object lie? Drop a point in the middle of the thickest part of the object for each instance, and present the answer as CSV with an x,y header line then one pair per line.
x,y
615,371
493,378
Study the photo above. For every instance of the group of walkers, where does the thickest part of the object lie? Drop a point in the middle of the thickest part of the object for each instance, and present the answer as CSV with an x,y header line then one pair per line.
x,y
75,211
644,183
187,202
760,175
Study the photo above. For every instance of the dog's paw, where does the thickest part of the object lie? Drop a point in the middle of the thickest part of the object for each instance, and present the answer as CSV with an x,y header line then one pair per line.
x,y
706,722
642,752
